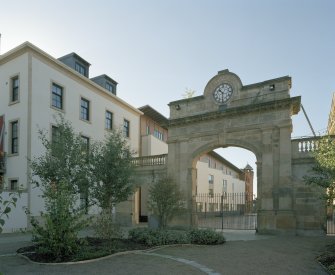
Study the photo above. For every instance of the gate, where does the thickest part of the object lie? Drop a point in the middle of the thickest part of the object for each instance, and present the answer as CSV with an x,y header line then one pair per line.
x,y
226,211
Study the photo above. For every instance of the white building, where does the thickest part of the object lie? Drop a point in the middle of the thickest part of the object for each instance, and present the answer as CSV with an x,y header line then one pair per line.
x,y
216,175
34,87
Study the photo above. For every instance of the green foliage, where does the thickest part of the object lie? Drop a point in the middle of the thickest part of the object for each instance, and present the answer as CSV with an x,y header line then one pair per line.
x,y
323,172
165,200
57,237
106,229
153,237
6,206
65,159
62,172
112,170
206,236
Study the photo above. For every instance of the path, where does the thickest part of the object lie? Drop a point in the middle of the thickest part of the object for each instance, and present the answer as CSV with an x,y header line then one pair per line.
x,y
244,253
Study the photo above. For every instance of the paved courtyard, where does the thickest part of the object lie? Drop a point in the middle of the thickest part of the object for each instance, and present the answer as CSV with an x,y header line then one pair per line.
x,y
244,253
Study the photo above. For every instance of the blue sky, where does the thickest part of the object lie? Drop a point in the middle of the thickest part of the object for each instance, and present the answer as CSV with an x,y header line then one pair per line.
x,y
156,49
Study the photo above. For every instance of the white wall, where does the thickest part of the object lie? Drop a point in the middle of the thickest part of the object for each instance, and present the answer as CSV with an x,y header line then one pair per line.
x,y
153,146
234,185
16,164
17,218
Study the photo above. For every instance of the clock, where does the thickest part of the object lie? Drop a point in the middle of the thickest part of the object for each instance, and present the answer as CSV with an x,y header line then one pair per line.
x,y
223,93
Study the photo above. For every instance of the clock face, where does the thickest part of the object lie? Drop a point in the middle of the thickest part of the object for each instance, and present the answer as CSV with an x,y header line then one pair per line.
x,y
223,93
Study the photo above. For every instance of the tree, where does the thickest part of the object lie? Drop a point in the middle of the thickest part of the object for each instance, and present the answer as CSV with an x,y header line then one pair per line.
x,y
165,200
66,158
323,172
6,207
62,172
112,171
189,93
57,236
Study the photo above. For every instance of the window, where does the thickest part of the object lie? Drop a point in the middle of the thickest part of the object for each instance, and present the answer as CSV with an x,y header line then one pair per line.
x,y
211,185
55,135
84,109
14,89
225,186
126,127
13,185
14,142
148,130
80,69
109,121
158,134
57,96
110,87
86,143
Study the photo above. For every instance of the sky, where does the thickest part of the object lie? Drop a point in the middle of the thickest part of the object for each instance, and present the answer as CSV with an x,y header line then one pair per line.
x,y
157,49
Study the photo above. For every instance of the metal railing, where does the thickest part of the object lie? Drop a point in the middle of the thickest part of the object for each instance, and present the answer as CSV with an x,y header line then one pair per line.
x,y
226,211
150,160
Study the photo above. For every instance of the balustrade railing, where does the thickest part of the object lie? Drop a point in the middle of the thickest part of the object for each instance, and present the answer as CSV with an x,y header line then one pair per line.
x,y
150,160
303,146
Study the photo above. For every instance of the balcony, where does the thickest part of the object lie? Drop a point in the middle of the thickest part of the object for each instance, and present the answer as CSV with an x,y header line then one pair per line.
x,y
150,160
2,163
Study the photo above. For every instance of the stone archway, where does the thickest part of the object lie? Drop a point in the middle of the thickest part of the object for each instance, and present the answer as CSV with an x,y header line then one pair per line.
x,y
256,117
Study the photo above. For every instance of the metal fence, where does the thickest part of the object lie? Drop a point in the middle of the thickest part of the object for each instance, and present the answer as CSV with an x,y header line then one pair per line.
x,y
226,211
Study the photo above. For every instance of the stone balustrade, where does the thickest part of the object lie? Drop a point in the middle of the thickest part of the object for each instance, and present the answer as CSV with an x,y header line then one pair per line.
x,y
304,147
150,160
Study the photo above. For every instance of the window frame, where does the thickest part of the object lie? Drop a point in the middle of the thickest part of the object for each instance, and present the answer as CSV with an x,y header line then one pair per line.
x,y
62,96
17,89
78,67
111,120
110,87
88,109
12,139
126,128
86,139
10,182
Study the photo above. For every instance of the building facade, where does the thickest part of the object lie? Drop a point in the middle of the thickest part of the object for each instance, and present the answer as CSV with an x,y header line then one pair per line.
x,y
34,89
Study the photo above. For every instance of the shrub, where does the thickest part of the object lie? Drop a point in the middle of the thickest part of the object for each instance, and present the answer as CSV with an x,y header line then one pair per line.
x,y
205,236
152,237
106,229
57,237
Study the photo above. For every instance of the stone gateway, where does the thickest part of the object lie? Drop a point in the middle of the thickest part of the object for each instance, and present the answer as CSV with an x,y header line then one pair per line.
x,y
256,117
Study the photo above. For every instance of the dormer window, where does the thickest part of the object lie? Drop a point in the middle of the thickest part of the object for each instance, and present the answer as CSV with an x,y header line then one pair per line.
x,y
110,87
77,63
80,69
106,82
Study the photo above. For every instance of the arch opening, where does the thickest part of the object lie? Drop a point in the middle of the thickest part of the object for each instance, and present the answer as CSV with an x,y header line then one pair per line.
x,y
225,188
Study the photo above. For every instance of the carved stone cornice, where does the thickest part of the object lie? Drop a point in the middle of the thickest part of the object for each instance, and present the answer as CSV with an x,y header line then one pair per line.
x,y
293,104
